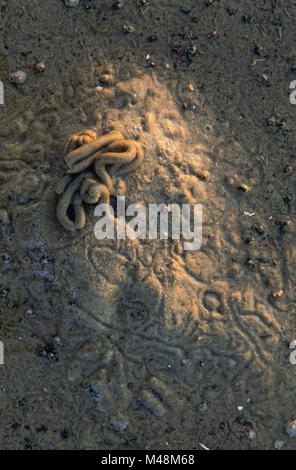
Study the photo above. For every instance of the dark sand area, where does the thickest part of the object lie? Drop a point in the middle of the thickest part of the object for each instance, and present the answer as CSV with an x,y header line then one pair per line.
x,y
141,344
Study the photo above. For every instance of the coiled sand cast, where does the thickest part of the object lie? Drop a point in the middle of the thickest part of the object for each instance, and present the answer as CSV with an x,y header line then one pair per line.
x,y
108,155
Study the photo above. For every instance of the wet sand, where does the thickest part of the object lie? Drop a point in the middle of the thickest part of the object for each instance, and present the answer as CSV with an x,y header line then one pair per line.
x,y
142,344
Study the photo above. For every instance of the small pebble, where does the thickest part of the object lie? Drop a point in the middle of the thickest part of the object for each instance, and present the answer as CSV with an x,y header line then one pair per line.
x,y
192,50
277,294
128,28
107,78
40,66
251,434
291,428
288,169
4,294
213,35
29,313
264,77
279,444
244,188
118,4
18,77
57,341
292,344
203,407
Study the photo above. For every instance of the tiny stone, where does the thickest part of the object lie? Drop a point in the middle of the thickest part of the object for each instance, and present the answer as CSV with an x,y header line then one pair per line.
x,y
57,341
203,407
213,34
291,428
29,313
259,50
277,294
107,78
292,344
4,293
288,169
18,77
40,67
244,188
128,28
251,434
192,50
118,4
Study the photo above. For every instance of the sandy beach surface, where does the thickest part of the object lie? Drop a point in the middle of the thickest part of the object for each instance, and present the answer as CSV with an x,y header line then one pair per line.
x,y
143,344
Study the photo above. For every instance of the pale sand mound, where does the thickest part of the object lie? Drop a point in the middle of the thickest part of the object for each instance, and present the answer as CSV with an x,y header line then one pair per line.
x,y
142,322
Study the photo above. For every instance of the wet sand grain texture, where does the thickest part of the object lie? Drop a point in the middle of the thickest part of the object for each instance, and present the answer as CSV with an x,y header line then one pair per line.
x,y
140,344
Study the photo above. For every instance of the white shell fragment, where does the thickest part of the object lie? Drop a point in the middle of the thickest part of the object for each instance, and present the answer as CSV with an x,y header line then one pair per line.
x,y
203,446
71,3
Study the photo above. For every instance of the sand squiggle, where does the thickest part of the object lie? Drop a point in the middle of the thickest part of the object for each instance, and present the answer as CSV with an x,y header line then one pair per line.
x,y
111,150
